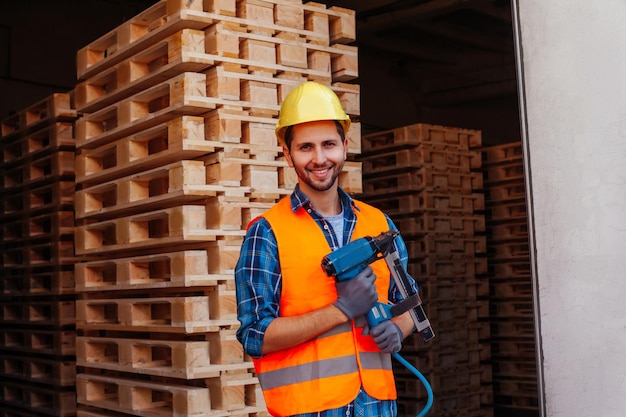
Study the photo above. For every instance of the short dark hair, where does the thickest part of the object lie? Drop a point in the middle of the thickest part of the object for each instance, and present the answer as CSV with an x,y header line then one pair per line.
x,y
289,133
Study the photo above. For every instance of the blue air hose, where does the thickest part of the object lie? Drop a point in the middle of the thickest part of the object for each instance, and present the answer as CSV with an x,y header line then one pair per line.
x,y
421,377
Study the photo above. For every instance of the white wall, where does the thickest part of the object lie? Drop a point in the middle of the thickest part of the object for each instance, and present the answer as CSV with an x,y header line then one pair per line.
x,y
574,74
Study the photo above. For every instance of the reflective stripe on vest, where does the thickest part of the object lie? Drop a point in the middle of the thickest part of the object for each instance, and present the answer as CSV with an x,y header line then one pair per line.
x,y
326,372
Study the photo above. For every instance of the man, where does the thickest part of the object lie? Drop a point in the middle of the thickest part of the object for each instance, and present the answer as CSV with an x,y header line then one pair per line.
x,y
312,349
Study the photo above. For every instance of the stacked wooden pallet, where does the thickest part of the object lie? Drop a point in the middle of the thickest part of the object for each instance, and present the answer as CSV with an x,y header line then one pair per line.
x,y
425,177
511,304
37,297
176,152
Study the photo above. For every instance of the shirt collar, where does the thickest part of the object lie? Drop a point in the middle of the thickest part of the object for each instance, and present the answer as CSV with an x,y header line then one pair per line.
x,y
299,199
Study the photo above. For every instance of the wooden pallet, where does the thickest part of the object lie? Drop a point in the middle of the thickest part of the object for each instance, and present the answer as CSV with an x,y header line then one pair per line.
x,y
436,156
175,269
57,137
456,266
256,61
514,368
176,359
50,313
514,402
54,225
182,182
426,177
514,229
508,152
57,343
313,21
511,287
178,139
149,230
426,201
494,174
57,107
195,314
517,249
244,412
509,268
184,94
222,396
58,195
37,254
37,370
180,52
149,398
26,280
512,210
519,387
39,400
444,245
510,190
434,222
454,289
418,134
475,403
58,166
511,308
445,357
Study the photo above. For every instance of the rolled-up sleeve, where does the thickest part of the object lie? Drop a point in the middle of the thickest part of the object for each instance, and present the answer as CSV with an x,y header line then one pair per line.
x,y
258,282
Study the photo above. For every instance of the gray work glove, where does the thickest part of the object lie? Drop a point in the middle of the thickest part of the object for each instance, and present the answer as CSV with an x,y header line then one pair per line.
x,y
356,296
387,336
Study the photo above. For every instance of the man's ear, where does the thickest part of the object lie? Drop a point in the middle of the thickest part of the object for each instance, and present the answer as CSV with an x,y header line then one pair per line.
x,y
287,156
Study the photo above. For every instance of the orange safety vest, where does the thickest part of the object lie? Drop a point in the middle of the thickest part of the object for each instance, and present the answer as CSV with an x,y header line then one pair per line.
x,y
327,372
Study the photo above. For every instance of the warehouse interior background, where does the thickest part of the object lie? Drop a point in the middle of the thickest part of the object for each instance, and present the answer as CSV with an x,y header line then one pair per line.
x,y
442,62
420,61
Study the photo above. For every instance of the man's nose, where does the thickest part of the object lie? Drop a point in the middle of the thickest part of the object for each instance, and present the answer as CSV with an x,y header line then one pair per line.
x,y
319,156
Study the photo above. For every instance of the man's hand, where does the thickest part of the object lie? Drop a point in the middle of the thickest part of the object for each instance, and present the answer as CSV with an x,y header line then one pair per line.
x,y
387,336
356,296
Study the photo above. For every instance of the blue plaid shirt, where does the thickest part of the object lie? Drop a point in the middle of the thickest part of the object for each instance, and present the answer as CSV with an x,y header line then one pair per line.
x,y
258,279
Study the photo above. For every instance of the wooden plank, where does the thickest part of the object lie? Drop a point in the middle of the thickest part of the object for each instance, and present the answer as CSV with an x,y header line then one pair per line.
x,y
58,195
54,225
193,314
428,177
442,245
41,341
181,52
53,373
27,280
147,398
508,152
37,254
161,228
57,107
438,157
176,359
454,266
425,201
442,288
49,313
58,166
416,134
322,27
184,94
40,400
177,139
57,137
175,269
429,222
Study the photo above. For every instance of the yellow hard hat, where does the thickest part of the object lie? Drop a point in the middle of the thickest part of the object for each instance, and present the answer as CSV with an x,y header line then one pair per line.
x,y
309,102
